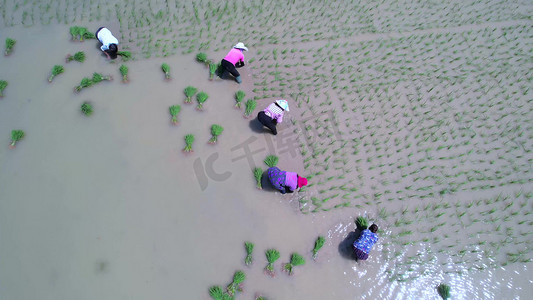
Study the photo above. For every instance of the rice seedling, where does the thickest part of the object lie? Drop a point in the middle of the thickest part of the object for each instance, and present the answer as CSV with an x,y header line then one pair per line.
x,y
126,55
174,111
189,92
258,174
216,292
201,98
249,107
249,246
56,70
202,57
81,33
319,243
271,161
10,43
444,291
189,139
16,135
239,96
84,83
213,67
361,222
272,255
3,85
124,72
296,260
216,130
97,78
78,56
87,109
238,278
166,69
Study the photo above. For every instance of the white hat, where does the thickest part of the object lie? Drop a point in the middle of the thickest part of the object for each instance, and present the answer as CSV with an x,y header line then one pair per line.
x,y
240,46
283,104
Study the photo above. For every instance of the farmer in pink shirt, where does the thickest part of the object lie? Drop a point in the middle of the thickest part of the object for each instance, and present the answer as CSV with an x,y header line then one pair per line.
x,y
273,114
234,59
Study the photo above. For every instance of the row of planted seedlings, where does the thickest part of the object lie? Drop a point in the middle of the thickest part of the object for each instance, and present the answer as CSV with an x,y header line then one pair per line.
x,y
9,46
272,255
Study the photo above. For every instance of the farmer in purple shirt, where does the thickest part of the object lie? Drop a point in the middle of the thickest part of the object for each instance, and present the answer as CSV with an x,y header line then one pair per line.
x,y
273,114
365,242
285,182
234,59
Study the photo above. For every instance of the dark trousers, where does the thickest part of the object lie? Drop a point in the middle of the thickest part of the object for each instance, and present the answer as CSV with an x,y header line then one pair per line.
x,y
359,254
267,121
229,67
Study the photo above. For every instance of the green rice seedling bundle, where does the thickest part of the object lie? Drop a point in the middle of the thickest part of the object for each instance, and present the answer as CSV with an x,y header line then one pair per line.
x,y
3,85
361,222
202,57
249,107
16,135
249,247
189,139
319,243
174,111
189,92
216,130
124,72
84,83
239,96
87,109
216,292
56,70
201,98
444,291
126,55
272,255
166,69
78,56
258,174
97,78
234,286
271,161
213,70
81,33
10,43
296,260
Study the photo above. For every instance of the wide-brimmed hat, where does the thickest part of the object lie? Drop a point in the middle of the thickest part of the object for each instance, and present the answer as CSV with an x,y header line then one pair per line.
x,y
240,45
283,104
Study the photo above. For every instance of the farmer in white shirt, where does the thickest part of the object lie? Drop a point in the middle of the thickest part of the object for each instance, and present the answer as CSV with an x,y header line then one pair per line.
x,y
109,42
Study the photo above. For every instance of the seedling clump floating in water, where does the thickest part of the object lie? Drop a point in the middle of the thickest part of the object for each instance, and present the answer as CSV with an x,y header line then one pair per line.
x,y
174,111
216,130
272,255
249,246
97,77
126,55
444,291
78,56
10,43
189,139
202,57
3,85
361,222
249,107
16,135
216,292
319,243
258,174
234,286
84,83
271,161
81,33
166,69
239,96
56,70
296,260
87,109
201,98
124,72
213,70
189,92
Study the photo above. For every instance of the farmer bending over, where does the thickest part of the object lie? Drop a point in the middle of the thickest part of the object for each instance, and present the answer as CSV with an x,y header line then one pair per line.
x,y
365,242
273,114
109,42
285,182
234,59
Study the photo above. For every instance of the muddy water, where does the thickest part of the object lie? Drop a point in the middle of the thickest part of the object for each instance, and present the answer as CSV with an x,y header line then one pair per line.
x,y
109,207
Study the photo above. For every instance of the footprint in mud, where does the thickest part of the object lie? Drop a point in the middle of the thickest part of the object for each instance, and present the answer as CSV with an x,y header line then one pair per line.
x,y
101,266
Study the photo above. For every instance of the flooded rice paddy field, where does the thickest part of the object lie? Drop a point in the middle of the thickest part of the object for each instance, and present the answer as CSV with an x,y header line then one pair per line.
x,y
416,115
